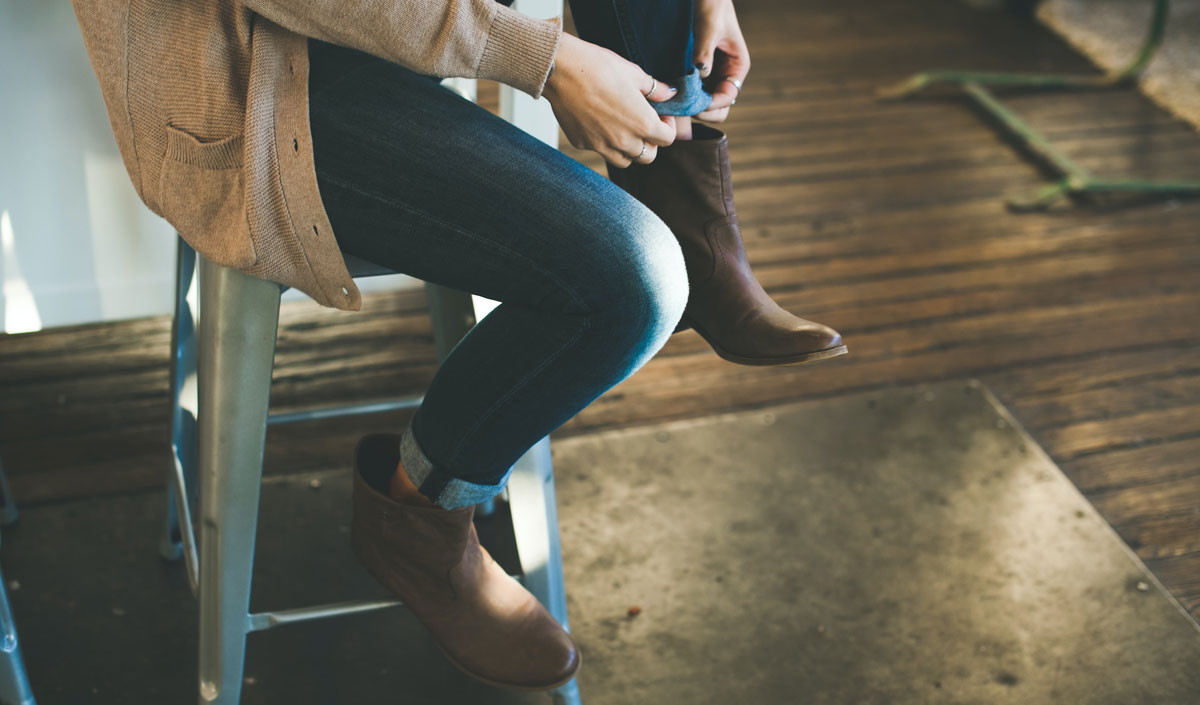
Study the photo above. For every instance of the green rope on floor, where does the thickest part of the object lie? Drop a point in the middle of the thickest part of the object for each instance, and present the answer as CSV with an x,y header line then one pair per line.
x,y
1076,180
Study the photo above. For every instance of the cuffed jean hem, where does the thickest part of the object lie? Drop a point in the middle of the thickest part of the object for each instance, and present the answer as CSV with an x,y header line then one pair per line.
x,y
438,485
690,98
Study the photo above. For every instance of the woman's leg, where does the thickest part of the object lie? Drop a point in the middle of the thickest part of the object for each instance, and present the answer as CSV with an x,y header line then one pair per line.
x,y
591,283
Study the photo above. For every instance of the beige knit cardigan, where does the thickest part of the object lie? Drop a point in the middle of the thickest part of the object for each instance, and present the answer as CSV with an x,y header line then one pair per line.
x,y
208,100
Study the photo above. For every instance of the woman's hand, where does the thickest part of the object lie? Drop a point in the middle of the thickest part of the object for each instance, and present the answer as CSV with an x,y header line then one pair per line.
x,y
600,98
720,49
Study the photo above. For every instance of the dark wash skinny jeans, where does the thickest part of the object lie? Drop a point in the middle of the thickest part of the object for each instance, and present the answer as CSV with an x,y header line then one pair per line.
x,y
591,283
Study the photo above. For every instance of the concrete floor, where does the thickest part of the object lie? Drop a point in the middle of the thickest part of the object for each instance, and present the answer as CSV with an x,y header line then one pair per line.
x,y
902,547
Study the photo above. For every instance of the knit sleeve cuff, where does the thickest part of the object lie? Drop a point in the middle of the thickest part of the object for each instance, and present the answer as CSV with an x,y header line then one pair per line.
x,y
519,50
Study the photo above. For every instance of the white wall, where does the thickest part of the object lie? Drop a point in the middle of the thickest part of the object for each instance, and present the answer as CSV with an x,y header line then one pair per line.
x,y
76,245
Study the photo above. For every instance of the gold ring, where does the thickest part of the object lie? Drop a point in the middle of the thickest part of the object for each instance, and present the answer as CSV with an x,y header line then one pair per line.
x,y
653,85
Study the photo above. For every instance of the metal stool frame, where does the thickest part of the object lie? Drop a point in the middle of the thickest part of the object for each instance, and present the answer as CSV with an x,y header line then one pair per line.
x,y
14,683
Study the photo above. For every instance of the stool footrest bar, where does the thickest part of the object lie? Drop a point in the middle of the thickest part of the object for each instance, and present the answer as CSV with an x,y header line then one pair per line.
x,y
348,410
183,518
265,620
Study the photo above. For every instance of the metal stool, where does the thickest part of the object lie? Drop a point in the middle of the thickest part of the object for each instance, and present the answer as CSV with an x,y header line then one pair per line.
x,y
14,684
219,423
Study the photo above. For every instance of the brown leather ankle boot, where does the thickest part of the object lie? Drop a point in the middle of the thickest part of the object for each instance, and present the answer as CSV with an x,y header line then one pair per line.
x,y
486,622
689,186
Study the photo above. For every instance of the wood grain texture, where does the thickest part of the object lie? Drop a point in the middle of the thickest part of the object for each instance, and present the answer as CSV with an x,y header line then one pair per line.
x,y
884,220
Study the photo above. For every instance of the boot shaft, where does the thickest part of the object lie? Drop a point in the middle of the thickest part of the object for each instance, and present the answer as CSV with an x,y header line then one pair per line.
x,y
688,181
427,538
689,186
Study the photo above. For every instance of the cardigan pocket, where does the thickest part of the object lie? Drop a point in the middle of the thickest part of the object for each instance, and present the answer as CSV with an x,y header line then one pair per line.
x,y
202,189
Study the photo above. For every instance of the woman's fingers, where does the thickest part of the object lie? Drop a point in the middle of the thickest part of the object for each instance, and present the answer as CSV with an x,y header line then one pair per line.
x,y
707,27
656,90
724,93
721,55
710,115
661,132
706,47
638,153
615,158
647,155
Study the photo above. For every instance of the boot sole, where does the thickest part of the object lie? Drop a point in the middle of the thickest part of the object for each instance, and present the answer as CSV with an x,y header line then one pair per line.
x,y
782,361
512,686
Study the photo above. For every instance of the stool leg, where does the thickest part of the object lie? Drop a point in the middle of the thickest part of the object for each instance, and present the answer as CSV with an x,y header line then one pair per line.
x,y
238,321
14,684
535,526
452,314
183,399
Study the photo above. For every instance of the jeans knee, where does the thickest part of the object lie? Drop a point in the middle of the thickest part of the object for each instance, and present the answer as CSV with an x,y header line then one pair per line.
x,y
653,292
666,279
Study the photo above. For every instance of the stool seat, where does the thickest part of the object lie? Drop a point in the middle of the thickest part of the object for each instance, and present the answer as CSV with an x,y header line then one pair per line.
x,y
359,267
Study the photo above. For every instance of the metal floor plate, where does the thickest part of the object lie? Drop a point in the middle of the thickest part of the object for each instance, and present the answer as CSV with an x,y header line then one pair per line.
x,y
905,547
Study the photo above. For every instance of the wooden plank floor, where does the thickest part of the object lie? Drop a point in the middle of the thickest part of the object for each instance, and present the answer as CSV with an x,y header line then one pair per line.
x,y
885,221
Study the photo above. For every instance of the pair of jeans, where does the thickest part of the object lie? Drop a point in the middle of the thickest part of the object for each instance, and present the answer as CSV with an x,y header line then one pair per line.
x,y
590,282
